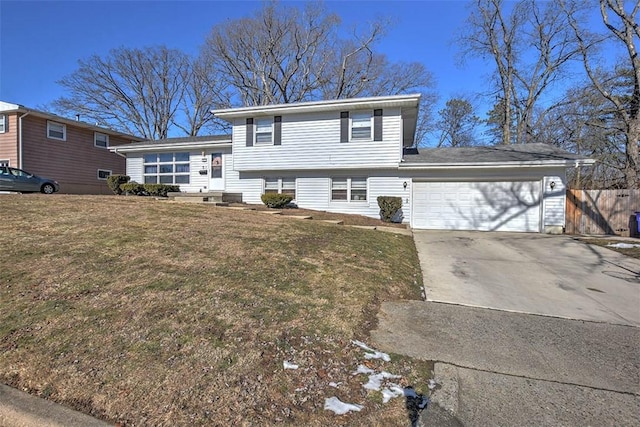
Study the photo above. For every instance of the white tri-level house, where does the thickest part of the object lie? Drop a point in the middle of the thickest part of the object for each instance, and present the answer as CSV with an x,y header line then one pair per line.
x,y
340,155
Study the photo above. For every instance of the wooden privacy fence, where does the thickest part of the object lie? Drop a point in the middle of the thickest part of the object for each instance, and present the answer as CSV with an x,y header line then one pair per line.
x,y
602,212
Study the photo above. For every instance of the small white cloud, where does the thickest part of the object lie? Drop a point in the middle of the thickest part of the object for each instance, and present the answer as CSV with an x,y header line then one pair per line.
x,y
340,408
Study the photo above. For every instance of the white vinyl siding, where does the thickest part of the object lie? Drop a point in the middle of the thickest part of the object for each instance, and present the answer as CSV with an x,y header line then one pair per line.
x,y
554,200
311,141
134,167
100,140
56,131
3,123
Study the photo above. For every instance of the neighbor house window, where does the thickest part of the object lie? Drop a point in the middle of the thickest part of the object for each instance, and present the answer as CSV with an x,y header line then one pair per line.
x,y
349,189
103,174
3,123
166,168
280,185
4,162
56,131
100,140
264,131
361,126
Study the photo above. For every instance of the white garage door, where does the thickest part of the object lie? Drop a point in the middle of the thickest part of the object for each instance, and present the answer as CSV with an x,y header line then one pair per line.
x,y
473,205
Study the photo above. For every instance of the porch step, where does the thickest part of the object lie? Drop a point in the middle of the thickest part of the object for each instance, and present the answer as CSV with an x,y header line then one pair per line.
x,y
333,221
209,197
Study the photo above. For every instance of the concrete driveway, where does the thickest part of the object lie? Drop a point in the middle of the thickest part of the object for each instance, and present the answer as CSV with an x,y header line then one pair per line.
x,y
530,273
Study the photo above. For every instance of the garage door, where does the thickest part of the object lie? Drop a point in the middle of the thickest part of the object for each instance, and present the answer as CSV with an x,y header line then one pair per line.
x,y
473,205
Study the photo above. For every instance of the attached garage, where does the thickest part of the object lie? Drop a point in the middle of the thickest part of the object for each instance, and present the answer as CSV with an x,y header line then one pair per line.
x,y
477,205
491,188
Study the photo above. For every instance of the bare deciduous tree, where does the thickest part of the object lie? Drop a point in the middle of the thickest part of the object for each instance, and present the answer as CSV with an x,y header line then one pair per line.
x,y
530,45
286,55
137,91
626,105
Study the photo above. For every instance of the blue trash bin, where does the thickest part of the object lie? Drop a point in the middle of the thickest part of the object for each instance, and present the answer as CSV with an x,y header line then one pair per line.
x,y
637,222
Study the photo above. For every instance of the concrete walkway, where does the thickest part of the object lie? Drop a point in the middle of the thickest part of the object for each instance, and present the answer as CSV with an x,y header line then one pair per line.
x,y
524,329
502,368
19,409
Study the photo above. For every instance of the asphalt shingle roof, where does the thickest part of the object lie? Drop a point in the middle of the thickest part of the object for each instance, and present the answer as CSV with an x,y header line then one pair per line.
x,y
487,154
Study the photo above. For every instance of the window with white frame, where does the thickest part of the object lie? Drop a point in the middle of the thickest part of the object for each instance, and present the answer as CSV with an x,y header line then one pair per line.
x,y
264,131
361,126
56,131
166,168
100,140
349,189
280,185
3,123
4,162
103,174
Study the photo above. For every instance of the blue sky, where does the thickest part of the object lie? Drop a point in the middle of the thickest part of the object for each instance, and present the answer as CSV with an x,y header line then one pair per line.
x,y
41,41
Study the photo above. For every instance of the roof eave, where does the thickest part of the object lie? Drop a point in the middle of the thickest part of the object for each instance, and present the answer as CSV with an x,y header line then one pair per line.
x,y
169,146
330,105
493,165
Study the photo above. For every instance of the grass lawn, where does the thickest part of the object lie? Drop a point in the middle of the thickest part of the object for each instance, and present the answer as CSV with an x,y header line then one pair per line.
x,y
152,313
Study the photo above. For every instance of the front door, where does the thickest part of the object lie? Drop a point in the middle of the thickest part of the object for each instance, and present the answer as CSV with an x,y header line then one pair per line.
x,y
217,172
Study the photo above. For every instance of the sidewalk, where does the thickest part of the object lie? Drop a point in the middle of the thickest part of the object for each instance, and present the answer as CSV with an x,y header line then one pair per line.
x,y
20,409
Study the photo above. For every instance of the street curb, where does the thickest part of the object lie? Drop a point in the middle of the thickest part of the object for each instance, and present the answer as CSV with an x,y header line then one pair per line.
x,y
20,409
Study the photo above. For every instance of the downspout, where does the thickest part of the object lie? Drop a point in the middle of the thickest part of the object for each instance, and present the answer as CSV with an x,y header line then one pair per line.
x,y
20,166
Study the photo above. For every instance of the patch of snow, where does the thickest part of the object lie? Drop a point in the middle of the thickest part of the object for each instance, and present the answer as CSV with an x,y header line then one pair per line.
x,y
335,385
431,384
623,245
372,354
340,408
363,370
289,365
388,393
375,380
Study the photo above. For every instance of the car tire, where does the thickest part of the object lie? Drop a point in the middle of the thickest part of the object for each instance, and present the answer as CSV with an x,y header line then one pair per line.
x,y
48,189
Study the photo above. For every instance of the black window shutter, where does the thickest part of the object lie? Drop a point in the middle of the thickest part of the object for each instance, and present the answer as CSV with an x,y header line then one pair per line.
x,y
344,126
377,125
277,130
249,132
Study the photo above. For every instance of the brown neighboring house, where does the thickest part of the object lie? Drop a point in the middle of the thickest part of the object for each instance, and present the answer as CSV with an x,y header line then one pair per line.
x,y
74,153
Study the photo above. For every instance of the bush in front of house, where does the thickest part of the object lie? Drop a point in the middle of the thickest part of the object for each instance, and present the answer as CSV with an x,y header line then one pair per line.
x,y
160,190
389,207
276,200
132,189
115,181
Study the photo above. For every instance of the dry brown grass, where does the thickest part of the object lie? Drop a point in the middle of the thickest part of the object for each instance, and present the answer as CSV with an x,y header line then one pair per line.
x,y
603,241
152,313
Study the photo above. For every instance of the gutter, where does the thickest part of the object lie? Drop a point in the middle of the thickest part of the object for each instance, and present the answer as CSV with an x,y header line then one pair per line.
x,y
20,138
494,165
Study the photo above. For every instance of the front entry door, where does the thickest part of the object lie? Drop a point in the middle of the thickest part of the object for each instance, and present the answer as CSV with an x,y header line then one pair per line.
x,y
217,172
